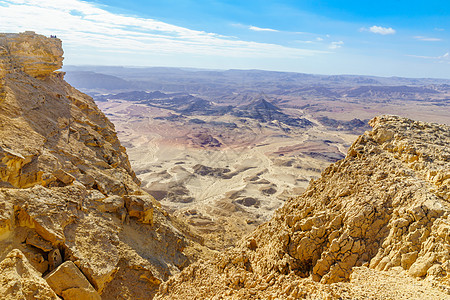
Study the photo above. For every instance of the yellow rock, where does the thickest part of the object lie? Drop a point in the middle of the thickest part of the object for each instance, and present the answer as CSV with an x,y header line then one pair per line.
x,y
19,280
68,282
35,54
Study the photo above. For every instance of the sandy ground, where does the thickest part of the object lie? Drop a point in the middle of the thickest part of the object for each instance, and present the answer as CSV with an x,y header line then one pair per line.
x,y
368,283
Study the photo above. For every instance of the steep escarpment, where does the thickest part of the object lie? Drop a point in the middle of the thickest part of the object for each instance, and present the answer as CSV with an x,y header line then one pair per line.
x,y
384,208
69,200
51,133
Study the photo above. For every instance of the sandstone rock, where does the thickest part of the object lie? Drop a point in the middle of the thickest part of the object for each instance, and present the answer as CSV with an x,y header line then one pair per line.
x,y
420,267
141,207
54,259
446,267
36,259
34,54
408,259
6,220
435,270
63,176
48,128
68,282
19,280
111,204
37,241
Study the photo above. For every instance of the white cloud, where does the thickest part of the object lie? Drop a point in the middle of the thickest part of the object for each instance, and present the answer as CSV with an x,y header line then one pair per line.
x,y
254,28
87,27
427,39
382,30
304,42
445,58
317,40
336,45
379,30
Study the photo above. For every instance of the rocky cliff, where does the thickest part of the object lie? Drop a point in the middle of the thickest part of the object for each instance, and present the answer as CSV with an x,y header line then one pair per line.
x,y
70,205
29,53
383,211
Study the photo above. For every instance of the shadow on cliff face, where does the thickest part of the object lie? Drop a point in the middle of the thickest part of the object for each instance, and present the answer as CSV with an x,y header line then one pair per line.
x,y
33,121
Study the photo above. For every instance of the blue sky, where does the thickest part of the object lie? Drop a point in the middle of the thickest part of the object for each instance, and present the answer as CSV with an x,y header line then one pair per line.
x,y
386,38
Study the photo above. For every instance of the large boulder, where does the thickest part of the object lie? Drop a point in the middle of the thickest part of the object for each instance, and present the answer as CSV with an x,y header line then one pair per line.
x,y
19,280
68,282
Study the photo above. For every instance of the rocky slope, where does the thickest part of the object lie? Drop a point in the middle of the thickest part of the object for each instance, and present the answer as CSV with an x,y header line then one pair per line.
x,y
69,201
377,218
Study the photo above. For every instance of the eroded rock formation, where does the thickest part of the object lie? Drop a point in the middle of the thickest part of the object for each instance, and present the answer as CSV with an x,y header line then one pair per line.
x,y
384,206
67,192
28,52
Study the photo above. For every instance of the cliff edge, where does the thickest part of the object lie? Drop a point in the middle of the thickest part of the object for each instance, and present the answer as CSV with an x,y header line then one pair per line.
x,y
70,205
30,53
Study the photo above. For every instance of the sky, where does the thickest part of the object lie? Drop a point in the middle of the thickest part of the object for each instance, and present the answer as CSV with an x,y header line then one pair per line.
x,y
382,38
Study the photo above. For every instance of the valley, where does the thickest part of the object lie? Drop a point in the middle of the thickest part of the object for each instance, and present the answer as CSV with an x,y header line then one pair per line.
x,y
224,149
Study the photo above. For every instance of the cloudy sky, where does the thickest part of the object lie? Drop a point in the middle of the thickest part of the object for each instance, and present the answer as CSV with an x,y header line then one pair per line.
x,y
387,38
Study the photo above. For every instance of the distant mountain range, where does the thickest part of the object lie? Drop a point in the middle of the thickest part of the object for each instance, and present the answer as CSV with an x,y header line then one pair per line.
x,y
223,86
162,74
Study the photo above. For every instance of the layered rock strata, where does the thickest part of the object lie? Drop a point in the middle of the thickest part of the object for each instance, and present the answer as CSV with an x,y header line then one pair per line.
x,y
385,206
67,192
28,52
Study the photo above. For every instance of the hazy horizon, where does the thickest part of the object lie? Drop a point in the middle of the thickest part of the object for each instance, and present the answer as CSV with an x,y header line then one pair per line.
x,y
232,69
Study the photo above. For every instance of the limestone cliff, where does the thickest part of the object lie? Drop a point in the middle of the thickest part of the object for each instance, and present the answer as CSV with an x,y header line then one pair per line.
x,y
67,192
383,208
33,54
